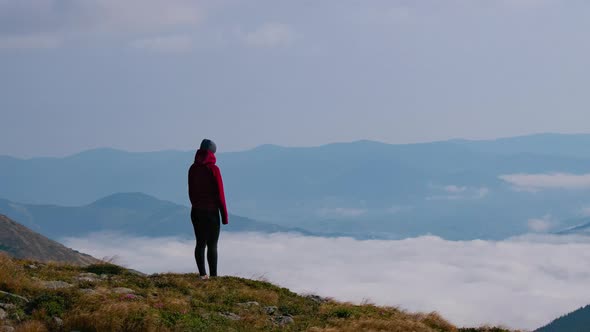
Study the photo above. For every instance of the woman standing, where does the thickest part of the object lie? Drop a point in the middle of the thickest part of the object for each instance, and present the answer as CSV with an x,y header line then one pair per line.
x,y
205,190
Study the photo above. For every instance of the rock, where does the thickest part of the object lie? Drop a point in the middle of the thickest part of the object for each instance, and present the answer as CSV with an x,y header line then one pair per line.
x,y
249,304
6,328
270,310
14,296
317,298
230,315
88,276
88,291
89,279
55,284
123,290
7,306
284,320
104,276
32,267
3,314
58,321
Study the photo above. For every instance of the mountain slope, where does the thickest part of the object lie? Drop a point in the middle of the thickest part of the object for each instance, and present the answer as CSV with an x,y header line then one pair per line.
x,y
132,213
576,321
20,242
110,298
581,226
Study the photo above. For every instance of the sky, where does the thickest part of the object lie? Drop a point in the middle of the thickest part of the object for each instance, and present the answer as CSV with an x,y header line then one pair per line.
x,y
145,75
471,283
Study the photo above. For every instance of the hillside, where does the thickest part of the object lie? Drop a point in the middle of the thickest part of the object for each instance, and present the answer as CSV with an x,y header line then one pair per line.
x,y
450,189
107,297
20,242
576,321
581,226
131,213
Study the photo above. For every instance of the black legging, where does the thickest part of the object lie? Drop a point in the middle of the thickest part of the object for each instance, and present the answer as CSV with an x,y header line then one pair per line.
x,y
206,226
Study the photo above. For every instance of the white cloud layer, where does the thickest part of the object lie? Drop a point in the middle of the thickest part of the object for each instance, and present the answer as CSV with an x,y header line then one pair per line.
x,y
540,225
470,283
537,182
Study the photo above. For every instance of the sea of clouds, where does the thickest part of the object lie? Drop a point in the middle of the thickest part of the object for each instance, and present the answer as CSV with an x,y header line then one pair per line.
x,y
522,282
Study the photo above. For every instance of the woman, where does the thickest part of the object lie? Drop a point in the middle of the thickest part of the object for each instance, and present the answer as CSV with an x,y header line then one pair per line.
x,y
205,190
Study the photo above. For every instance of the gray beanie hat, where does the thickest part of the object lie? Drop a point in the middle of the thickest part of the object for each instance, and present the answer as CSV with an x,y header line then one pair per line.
x,y
208,144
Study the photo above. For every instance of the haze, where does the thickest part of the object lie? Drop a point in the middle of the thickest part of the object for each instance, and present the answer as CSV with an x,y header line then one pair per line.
x,y
151,75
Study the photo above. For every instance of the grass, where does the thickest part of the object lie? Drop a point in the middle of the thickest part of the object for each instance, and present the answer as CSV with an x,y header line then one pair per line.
x,y
183,302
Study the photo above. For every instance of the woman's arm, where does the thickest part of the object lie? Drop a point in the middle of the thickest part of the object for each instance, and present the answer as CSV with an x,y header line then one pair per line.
x,y
222,205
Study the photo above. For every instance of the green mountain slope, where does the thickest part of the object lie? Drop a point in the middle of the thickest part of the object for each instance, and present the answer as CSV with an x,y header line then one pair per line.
x,y
576,321
20,242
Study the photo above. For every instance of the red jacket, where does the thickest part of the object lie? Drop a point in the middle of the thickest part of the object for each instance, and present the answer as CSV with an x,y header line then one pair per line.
x,y
205,186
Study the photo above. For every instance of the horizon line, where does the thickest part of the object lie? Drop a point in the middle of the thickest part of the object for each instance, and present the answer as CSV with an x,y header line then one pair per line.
x,y
457,139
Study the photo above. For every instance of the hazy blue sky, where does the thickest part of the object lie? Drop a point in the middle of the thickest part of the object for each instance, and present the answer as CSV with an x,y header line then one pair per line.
x,y
162,74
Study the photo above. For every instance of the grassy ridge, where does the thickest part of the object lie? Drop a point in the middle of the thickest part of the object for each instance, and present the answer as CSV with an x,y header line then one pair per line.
x,y
106,297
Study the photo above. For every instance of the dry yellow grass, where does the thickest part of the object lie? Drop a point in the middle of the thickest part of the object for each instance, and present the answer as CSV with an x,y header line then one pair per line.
x,y
31,326
183,302
378,325
12,276
124,316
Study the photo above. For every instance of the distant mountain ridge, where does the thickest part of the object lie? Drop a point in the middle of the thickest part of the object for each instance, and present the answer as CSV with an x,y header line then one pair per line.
x,y
132,213
580,226
450,188
20,242
576,321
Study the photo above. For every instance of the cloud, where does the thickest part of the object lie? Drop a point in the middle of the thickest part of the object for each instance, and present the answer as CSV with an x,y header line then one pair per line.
x,y
541,225
468,282
454,192
28,23
269,35
165,44
537,182
142,15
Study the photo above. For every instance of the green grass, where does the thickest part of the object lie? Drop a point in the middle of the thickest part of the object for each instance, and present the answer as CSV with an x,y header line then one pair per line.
x,y
106,268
